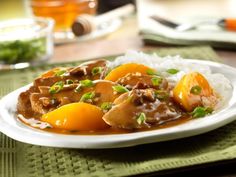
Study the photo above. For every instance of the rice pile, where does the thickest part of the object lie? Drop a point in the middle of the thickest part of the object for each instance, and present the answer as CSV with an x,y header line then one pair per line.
x,y
218,82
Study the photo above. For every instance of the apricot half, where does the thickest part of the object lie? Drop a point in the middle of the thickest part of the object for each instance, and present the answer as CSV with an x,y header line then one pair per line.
x,y
189,90
76,116
124,69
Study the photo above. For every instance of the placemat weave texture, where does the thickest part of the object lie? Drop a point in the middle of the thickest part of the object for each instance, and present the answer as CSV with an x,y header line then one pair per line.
x,y
24,160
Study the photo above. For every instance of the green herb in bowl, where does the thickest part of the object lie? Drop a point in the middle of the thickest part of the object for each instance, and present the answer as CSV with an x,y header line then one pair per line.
x,y
22,50
26,40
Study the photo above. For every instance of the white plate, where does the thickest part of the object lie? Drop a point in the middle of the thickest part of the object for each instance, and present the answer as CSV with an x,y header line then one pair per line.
x,y
13,128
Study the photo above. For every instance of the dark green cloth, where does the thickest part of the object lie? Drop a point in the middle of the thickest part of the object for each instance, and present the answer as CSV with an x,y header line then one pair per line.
x,y
23,160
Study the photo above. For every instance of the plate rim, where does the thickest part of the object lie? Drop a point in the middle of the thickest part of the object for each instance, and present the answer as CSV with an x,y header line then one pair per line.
x,y
121,140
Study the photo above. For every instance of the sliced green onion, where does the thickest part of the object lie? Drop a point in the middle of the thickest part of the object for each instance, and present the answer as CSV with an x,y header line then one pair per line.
x,y
55,88
97,70
60,72
87,96
120,89
86,83
78,88
106,106
152,72
201,111
172,71
156,81
161,95
196,90
141,118
68,82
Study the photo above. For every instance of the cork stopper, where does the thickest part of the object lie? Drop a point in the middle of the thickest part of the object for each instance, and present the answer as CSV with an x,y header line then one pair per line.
x,y
84,24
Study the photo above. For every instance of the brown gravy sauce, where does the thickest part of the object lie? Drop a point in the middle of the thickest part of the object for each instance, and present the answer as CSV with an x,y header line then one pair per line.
x,y
112,130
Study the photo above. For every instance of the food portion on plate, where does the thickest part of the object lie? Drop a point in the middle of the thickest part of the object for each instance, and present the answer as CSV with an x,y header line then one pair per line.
x,y
130,94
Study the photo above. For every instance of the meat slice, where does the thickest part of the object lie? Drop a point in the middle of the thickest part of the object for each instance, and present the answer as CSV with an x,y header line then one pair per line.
x,y
93,70
141,108
140,81
44,102
104,92
37,100
23,104
49,81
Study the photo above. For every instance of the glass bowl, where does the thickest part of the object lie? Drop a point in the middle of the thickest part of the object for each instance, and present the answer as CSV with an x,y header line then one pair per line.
x,y
27,40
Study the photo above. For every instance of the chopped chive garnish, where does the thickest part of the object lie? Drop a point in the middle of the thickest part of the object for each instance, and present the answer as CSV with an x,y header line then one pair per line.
x,y
86,83
120,89
68,82
97,70
201,111
141,118
196,90
60,72
161,95
87,96
152,72
55,88
156,81
172,71
78,88
106,106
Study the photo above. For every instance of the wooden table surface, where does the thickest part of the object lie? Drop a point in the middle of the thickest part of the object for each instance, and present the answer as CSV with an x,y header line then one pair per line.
x,y
127,38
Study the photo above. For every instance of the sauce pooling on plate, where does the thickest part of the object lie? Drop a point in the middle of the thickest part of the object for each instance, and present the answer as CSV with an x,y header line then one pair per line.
x,y
94,99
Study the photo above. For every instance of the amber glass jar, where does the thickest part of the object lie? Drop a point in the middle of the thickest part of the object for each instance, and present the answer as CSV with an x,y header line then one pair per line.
x,y
63,12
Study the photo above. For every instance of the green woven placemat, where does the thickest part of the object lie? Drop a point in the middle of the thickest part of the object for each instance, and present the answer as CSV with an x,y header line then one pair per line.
x,y
158,39
23,160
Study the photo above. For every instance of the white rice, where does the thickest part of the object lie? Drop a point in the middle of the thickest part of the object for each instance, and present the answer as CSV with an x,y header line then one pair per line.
x,y
218,82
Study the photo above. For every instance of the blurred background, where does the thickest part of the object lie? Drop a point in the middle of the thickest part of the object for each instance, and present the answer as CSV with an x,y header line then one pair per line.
x,y
127,28
88,29
21,8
